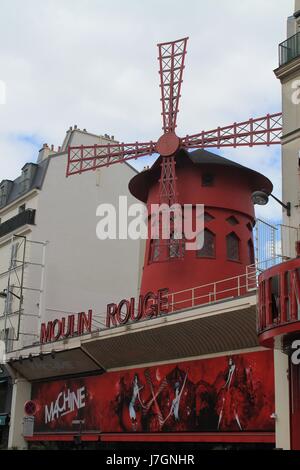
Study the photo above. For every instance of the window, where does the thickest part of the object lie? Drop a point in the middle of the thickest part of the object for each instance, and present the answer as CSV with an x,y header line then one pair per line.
x,y
176,247
233,247
209,247
22,208
154,250
251,252
275,297
208,217
207,179
232,220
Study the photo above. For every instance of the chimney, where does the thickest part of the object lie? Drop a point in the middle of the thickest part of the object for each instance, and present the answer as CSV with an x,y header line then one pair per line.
x,y
43,153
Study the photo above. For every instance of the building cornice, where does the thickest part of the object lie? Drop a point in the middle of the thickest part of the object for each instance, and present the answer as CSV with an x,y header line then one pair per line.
x,y
287,71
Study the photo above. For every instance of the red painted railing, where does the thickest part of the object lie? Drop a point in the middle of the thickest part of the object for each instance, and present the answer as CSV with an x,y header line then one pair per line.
x,y
279,301
205,294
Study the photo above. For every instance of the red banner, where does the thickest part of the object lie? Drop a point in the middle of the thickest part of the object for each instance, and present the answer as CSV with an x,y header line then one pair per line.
x,y
229,393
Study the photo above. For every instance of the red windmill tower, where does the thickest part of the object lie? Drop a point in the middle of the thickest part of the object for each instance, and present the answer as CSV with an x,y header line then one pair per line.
x,y
161,184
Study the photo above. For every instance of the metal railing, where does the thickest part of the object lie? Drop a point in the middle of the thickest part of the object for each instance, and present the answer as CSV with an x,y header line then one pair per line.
x,y
289,49
26,217
274,243
213,292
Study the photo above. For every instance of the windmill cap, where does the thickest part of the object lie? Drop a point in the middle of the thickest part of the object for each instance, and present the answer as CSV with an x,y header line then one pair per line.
x,y
141,183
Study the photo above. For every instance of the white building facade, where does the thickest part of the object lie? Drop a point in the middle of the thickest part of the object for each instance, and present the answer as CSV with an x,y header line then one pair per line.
x,y
51,262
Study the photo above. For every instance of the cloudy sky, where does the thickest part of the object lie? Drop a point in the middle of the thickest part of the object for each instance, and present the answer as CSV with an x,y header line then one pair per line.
x,y
94,63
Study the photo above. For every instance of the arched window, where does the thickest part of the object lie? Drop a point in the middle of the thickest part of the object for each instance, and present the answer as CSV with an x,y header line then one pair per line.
x,y
209,247
154,250
176,246
233,247
251,251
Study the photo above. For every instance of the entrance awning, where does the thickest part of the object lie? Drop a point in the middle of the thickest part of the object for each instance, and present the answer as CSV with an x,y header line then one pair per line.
x,y
225,326
55,364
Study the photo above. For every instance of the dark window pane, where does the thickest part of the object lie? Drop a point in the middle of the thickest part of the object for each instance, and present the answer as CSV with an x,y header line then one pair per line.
x,y
207,179
176,247
232,220
233,248
251,252
209,248
154,250
208,217
275,296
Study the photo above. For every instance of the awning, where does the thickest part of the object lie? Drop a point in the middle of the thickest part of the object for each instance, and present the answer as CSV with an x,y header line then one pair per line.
x,y
68,362
212,329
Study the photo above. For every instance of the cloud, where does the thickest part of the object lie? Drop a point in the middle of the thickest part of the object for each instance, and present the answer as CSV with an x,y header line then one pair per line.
x,y
94,63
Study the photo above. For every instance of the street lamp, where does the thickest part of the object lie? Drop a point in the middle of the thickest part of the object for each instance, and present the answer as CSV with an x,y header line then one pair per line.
x,y
261,198
4,293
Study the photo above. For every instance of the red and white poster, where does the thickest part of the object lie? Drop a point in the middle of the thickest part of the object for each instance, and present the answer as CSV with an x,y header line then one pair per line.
x,y
229,393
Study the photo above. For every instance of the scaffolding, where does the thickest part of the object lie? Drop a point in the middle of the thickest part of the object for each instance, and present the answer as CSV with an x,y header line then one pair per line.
x,y
23,291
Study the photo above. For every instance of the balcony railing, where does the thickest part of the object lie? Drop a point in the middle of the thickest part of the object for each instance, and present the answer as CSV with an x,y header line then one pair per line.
x,y
213,292
289,49
26,217
279,301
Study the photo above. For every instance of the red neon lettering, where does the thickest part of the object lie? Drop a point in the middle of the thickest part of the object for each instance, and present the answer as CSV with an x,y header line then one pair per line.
x,y
150,305
163,301
110,315
86,322
57,335
46,332
126,316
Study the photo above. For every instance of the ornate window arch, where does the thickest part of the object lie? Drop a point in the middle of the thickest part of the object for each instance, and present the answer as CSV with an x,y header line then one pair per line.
x,y
233,247
209,247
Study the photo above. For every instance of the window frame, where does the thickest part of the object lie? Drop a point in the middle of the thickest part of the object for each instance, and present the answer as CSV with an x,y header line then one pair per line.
x,y
208,256
233,236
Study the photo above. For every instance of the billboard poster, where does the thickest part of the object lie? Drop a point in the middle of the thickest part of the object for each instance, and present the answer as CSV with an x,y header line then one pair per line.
x,y
221,394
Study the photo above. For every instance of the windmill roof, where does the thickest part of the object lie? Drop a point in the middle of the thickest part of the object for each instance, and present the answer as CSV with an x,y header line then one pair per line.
x,y
140,184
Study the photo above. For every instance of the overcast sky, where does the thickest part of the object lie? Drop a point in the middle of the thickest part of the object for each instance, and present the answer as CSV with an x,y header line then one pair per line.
x,y
94,63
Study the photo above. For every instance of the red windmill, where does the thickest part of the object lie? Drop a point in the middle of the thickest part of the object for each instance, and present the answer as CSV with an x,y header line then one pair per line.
x,y
259,131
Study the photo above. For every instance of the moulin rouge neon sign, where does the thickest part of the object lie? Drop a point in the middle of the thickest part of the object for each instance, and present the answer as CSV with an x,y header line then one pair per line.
x,y
148,306
73,325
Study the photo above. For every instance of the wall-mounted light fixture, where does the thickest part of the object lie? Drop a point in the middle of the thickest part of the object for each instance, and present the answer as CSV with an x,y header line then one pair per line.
x,y
261,198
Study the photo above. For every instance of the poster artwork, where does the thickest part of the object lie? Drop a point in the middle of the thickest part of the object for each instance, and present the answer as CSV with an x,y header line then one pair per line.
x,y
224,394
